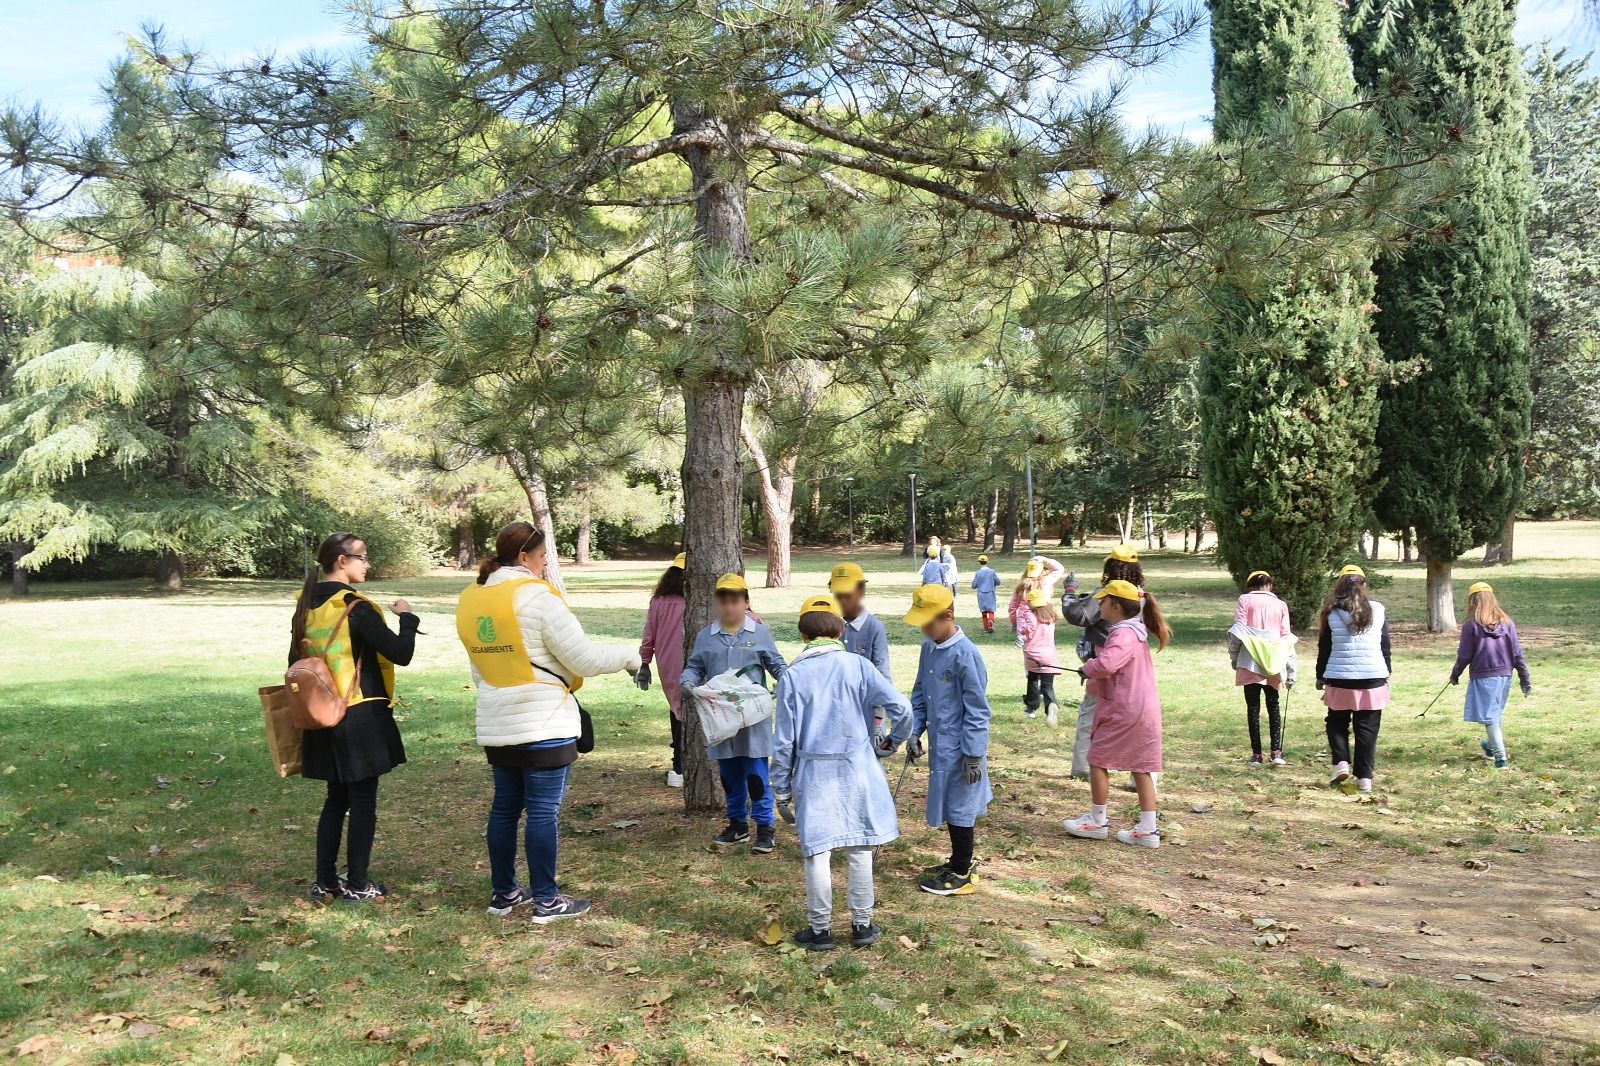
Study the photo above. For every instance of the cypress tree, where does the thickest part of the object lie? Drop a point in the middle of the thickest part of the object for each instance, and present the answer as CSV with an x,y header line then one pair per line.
x,y
1287,378
1454,309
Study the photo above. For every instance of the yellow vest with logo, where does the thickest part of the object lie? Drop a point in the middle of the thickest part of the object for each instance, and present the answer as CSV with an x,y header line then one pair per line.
x,y
486,622
335,648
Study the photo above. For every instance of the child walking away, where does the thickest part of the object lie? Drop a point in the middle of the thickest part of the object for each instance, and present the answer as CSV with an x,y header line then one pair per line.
x,y
1127,713
663,641
824,770
1353,674
932,572
1490,648
1261,649
1084,611
950,704
737,642
984,582
1036,636
950,571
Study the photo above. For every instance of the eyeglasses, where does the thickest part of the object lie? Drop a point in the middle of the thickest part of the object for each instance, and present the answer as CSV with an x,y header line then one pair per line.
x,y
353,555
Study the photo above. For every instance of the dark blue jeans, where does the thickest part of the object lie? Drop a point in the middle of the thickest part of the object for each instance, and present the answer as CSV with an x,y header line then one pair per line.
x,y
539,793
744,780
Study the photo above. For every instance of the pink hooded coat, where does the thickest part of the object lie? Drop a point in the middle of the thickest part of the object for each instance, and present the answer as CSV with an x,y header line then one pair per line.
x,y
1127,710
1261,610
1038,642
663,641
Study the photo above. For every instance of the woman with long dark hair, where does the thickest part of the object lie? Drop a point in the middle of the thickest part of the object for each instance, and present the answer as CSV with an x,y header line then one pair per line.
x,y
347,630
529,655
663,641
1353,669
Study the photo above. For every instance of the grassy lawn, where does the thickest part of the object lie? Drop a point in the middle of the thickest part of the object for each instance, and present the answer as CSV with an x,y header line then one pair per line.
x,y
153,868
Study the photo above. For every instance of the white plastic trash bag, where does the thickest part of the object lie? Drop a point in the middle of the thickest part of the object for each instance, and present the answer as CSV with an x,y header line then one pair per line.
x,y
728,703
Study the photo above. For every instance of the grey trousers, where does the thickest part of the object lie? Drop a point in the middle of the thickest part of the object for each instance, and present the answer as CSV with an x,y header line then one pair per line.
x,y
1080,744
819,886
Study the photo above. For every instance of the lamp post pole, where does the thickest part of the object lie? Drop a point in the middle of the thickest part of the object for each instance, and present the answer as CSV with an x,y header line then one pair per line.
x,y
911,519
850,494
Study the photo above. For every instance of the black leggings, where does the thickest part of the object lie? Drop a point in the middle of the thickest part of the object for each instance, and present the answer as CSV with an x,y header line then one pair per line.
x,y
360,800
961,841
1365,726
677,741
1041,690
1252,705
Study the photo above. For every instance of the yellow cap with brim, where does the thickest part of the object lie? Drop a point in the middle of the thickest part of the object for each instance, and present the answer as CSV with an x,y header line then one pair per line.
x,y
845,578
933,553
680,560
928,603
1352,570
1125,553
1037,598
983,558
821,603
1034,568
1122,590
1479,586
732,583
1255,574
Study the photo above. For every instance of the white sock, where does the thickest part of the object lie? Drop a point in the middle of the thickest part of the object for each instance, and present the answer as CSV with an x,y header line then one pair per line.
x,y
1147,821
1097,813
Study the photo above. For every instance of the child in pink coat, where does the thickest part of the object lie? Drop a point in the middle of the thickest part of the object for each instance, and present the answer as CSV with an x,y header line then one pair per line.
x,y
663,642
1036,636
1127,712
1261,649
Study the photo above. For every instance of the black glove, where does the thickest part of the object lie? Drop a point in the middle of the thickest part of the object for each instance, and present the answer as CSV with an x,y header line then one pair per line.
x,y
883,745
1456,680
914,749
642,678
785,805
1527,688
973,765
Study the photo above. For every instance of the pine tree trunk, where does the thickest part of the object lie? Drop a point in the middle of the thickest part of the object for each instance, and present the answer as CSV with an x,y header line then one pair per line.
x,y
1199,534
530,475
1406,554
19,576
580,556
1508,540
1499,551
1009,543
1441,597
990,528
713,401
466,550
972,523
169,571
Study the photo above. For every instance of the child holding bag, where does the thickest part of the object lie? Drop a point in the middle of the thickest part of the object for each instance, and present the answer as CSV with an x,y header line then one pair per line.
x,y
1127,714
1490,650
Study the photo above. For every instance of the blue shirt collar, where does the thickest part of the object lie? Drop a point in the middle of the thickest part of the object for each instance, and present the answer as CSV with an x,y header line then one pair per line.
x,y
958,635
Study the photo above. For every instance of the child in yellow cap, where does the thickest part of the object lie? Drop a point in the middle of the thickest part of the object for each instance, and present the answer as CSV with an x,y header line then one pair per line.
x,y
1036,636
984,582
950,706
736,641
825,771
1083,610
1261,649
1490,651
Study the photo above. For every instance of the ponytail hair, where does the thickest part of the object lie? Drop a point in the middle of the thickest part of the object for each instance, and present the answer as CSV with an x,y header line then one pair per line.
x,y
328,553
1154,622
511,541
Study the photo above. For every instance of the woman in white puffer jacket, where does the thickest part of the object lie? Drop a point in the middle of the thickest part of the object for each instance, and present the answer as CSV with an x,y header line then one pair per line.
x,y
529,654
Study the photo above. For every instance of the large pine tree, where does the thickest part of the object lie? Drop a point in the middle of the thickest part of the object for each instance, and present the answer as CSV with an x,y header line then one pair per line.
x,y
1453,309
1288,367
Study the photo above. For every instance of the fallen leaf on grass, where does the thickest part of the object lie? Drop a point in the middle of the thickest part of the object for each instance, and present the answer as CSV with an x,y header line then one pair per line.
x,y
1267,1056
881,1002
626,823
417,1043
378,1034
605,940
1555,938
1475,864
1489,976
655,997
138,1030
1412,955
1080,959
33,1045
32,979
268,967
907,943
1462,1060
1058,1049
772,933
182,1021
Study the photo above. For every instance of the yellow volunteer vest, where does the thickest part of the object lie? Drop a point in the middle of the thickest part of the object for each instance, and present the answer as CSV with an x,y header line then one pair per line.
x,y
486,622
335,650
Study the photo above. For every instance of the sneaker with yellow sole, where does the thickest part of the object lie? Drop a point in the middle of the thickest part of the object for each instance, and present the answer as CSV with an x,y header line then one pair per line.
x,y
951,883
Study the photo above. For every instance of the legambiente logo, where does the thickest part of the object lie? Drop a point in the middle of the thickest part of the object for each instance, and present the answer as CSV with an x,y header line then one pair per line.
x,y
486,633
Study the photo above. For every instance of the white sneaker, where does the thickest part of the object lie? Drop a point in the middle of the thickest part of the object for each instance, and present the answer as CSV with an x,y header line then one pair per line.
x,y
1138,839
1278,759
674,779
1364,785
1050,711
1086,827
1341,774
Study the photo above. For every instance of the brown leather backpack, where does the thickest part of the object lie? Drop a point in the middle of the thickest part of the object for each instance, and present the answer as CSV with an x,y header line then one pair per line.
x,y
314,702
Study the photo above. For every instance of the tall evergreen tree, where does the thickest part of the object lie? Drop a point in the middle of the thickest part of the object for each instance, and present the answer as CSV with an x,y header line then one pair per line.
x,y
1453,309
1288,368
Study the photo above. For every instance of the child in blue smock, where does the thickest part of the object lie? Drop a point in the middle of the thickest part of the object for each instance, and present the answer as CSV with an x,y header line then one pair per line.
x,y
932,572
950,703
735,641
863,633
984,581
824,762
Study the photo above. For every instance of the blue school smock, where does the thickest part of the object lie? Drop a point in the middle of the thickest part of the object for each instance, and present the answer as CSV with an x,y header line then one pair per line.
x,y
985,581
752,652
950,703
933,572
866,636
823,754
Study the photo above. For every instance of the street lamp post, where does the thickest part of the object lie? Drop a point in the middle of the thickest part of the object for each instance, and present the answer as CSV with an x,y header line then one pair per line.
x,y
911,519
850,494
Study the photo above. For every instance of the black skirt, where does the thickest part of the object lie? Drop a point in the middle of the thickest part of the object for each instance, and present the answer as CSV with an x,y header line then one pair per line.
x,y
366,744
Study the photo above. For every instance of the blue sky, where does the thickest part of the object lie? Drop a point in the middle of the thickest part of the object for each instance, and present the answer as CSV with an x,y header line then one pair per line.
x,y
58,53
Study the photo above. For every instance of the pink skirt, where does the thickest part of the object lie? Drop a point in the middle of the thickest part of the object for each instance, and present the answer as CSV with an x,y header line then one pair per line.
x,y
1355,699
1242,676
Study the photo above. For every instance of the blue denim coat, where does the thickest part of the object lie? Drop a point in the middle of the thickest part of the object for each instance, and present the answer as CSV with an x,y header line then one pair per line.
x,y
950,703
752,652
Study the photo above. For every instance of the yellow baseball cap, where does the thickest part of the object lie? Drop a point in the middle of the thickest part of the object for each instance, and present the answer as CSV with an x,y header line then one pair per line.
x,y
845,577
1034,568
1257,573
1122,590
821,603
1479,586
732,583
680,560
1352,570
1037,598
933,553
1125,553
983,558
928,603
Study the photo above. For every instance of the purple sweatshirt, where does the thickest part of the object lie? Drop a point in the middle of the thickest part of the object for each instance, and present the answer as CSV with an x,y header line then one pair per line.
x,y
1492,651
